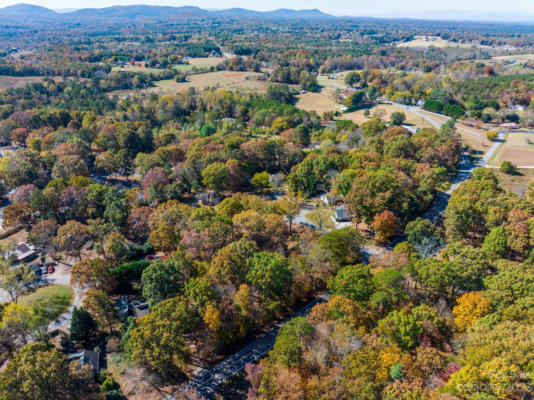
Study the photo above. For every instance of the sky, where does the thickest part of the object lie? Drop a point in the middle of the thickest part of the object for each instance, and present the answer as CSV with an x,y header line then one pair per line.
x,y
390,8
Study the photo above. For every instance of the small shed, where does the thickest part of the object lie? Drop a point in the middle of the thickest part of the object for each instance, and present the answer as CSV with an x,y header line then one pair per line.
x,y
139,308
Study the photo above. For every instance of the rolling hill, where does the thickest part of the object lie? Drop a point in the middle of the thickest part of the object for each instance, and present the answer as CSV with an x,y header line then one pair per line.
x,y
27,12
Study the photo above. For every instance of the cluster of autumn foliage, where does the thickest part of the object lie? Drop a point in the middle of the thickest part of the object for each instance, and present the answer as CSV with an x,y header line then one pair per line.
x,y
457,326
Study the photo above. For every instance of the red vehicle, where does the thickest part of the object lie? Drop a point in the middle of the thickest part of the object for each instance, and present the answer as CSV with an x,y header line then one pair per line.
x,y
51,269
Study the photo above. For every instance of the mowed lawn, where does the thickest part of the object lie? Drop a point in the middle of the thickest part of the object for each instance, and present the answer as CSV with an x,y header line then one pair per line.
x,y
54,298
518,148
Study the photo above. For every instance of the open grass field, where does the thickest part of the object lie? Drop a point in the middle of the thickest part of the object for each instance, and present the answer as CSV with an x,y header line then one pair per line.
x,y
518,148
205,61
55,298
319,102
436,41
386,110
138,67
515,58
10,82
220,79
516,183
336,83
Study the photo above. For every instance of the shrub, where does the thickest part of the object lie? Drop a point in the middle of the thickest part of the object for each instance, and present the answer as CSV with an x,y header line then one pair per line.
x,y
433,105
397,118
492,135
508,168
453,110
125,274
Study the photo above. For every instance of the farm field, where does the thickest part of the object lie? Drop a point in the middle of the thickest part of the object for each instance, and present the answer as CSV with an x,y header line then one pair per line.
x,y
11,82
435,41
319,102
518,148
205,61
219,79
138,67
386,109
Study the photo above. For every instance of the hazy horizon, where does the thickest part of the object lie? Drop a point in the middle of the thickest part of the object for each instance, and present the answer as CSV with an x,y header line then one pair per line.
x,y
460,9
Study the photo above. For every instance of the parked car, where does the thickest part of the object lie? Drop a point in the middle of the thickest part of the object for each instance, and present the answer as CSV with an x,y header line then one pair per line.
x,y
51,269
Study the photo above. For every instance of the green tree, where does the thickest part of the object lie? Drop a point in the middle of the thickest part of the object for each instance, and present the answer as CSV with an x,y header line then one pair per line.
x,y
15,280
343,245
397,118
321,218
269,272
38,372
288,349
400,328
351,78
215,177
165,278
261,182
101,308
158,339
508,168
82,325
424,236
353,282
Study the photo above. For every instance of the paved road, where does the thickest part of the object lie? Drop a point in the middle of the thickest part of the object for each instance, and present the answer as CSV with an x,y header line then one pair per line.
x,y
206,380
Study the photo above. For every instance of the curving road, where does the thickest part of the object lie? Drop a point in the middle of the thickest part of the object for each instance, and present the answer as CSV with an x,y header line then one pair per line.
x,y
206,380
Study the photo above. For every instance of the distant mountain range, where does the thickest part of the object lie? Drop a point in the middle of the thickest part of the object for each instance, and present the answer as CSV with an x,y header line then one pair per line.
x,y
21,13
33,13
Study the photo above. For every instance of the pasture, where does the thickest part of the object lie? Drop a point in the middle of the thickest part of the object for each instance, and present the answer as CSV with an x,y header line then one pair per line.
x,y
221,79
518,148
319,102
12,82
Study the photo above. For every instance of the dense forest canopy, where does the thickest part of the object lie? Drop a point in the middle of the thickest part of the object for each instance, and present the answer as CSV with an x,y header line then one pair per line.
x,y
184,219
